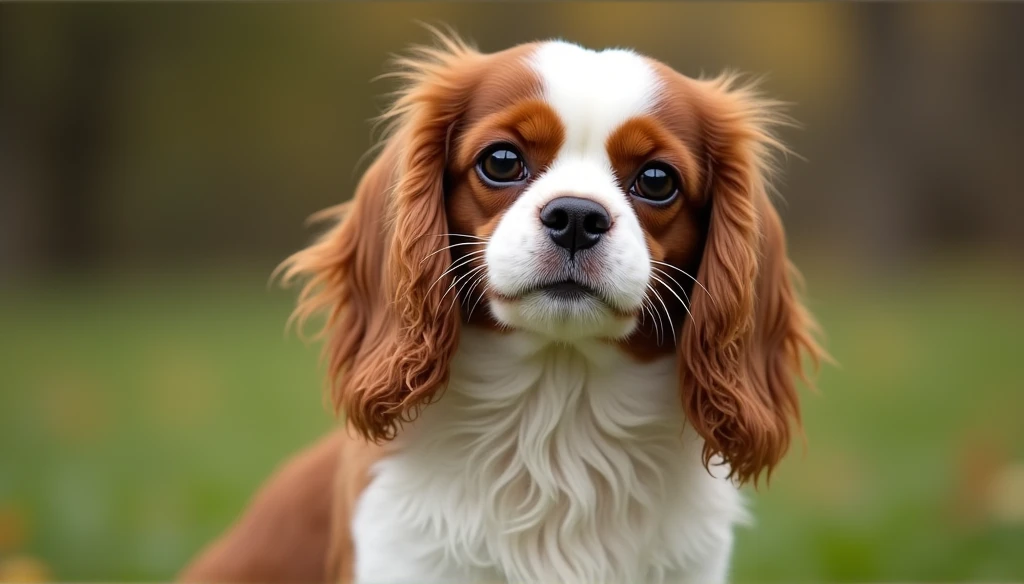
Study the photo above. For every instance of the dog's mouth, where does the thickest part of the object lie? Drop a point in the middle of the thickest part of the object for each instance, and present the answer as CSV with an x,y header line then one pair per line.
x,y
567,294
567,290
554,305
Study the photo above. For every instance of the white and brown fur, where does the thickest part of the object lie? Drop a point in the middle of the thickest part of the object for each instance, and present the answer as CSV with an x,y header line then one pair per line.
x,y
493,434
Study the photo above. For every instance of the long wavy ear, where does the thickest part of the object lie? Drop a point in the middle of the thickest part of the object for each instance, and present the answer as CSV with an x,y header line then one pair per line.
x,y
742,349
375,276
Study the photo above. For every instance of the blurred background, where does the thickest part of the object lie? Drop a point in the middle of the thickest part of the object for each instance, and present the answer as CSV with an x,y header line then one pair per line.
x,y
158,160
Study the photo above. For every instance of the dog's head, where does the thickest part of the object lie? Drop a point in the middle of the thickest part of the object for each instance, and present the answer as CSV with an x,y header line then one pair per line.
x,y
578,195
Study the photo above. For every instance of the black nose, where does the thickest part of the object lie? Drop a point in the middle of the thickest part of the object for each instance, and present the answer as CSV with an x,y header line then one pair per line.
x,y
575,223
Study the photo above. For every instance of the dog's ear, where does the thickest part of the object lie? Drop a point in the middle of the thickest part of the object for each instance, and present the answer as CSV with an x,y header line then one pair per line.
x,y
742,349
375,274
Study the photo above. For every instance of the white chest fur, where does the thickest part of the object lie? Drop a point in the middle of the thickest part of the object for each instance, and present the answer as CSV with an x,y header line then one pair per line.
x,y
545,463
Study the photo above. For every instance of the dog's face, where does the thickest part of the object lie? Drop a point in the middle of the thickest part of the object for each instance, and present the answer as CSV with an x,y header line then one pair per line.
x,y
580,196
575,199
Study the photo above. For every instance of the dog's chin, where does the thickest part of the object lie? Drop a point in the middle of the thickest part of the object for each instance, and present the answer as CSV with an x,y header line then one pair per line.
x,y
564,312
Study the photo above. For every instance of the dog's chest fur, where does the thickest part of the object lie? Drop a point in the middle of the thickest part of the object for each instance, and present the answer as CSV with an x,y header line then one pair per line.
x,y
546,463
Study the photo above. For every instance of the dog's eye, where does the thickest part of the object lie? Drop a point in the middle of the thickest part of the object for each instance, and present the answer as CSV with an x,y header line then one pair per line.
x,y
656,182
501,164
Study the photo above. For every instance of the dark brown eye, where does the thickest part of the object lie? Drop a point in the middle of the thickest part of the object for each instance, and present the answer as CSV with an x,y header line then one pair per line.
x,y
501,164
656,182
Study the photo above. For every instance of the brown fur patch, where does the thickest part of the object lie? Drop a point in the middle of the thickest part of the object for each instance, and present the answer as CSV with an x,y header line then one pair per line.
x,y
674,231
285,533
475,208
742,349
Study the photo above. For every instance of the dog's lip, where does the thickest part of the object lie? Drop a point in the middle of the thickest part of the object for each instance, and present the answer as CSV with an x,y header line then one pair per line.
x,y
568,289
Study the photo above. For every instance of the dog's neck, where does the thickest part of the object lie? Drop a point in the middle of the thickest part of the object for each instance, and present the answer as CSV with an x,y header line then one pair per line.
x,y
535,438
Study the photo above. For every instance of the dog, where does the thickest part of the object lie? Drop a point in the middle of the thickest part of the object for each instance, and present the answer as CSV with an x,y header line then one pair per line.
x,y
562,327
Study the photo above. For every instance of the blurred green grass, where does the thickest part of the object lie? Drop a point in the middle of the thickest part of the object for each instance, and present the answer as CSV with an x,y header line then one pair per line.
x,y
137,415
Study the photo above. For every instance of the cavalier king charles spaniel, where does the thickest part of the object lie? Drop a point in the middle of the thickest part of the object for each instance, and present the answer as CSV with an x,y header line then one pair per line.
x,y
560,323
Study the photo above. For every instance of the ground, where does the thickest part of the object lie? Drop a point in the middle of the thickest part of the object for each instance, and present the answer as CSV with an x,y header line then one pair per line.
x,y
138,414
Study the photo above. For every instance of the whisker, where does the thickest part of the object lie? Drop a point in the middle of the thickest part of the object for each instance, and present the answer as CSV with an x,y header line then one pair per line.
x,y
466,259
685,273
480,277
459,296
644,312
457,280
655,317
483,292
671,325
654,322
659,326
462,235
456,299
475,281
433,253
674,281
687,302
674,294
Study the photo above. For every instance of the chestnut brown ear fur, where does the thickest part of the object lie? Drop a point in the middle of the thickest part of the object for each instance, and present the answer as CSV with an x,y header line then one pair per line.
x,y
374,275
742,349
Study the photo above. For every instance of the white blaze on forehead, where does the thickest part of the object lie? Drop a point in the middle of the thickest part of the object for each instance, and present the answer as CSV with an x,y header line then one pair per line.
x,y
594,92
